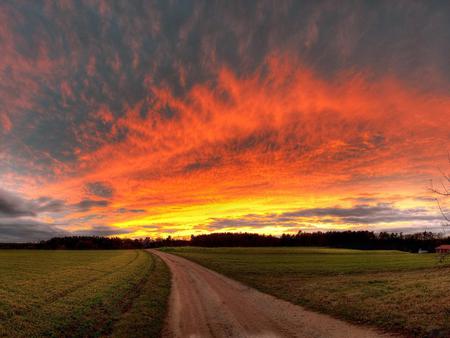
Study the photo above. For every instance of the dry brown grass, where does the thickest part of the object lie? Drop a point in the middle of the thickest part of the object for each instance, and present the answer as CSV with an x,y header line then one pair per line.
x,y
414,302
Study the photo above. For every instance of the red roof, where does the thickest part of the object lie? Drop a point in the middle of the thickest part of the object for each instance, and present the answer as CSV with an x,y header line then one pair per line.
x,y
445,246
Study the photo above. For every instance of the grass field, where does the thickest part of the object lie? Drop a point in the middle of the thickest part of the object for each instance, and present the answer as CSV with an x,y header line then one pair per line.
x,y
82,293
396,291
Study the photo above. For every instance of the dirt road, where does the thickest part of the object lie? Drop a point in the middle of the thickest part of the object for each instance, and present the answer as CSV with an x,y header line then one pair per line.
x,y
204,303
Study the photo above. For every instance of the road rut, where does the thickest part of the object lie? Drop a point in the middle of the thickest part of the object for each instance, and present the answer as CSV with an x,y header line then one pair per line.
x,y
204,303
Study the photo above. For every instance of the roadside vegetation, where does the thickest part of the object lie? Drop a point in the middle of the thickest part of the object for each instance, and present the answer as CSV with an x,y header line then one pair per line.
x,y
82,293
395,291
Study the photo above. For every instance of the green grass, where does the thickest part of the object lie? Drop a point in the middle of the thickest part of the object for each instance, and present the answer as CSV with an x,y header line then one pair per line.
x,y
81,293
395,291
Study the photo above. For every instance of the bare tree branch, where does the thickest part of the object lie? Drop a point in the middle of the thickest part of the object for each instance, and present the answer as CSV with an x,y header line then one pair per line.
x,y
442,211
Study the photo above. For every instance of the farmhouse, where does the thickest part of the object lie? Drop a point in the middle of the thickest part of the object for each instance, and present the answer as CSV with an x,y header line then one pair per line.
x,y
443,248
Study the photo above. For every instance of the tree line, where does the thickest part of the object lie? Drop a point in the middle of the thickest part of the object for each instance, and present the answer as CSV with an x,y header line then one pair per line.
x,y
364,240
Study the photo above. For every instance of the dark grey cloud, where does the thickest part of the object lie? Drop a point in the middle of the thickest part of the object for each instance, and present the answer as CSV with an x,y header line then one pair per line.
x,y
12,205
101,230
14,230
29,230
365,199
255,221
87,204
368,214
48,204
127,210
356,211
202,164
100,189
425,199
18,218
362,214
436,227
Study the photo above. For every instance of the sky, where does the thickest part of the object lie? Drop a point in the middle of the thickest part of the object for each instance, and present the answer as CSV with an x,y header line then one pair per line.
x,y
156,118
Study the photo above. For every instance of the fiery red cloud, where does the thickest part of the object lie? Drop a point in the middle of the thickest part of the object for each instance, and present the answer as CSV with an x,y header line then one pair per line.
x,y
278,143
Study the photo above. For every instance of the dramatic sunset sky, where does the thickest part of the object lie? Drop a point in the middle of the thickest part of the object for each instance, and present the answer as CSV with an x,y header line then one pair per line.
x,y
156,118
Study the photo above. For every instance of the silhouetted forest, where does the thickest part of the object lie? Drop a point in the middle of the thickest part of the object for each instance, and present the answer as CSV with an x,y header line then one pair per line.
x,y
365,240
78,243
96,243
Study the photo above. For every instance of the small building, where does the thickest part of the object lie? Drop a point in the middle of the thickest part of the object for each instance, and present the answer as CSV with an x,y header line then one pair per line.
x,y
421,251
442,249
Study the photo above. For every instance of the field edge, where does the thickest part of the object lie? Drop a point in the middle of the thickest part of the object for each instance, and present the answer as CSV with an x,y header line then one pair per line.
x,y
146,314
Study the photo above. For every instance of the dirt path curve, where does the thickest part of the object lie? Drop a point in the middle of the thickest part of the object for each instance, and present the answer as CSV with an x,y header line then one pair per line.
x,y
204,303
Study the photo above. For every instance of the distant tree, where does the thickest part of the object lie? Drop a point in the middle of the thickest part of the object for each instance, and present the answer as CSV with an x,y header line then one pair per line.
x,y
442,191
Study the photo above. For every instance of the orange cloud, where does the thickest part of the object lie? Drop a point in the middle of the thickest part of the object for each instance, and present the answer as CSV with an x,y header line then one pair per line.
x,y
279,139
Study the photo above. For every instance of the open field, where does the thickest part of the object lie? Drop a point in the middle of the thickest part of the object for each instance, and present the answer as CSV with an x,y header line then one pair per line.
x,y
396,291
82,293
